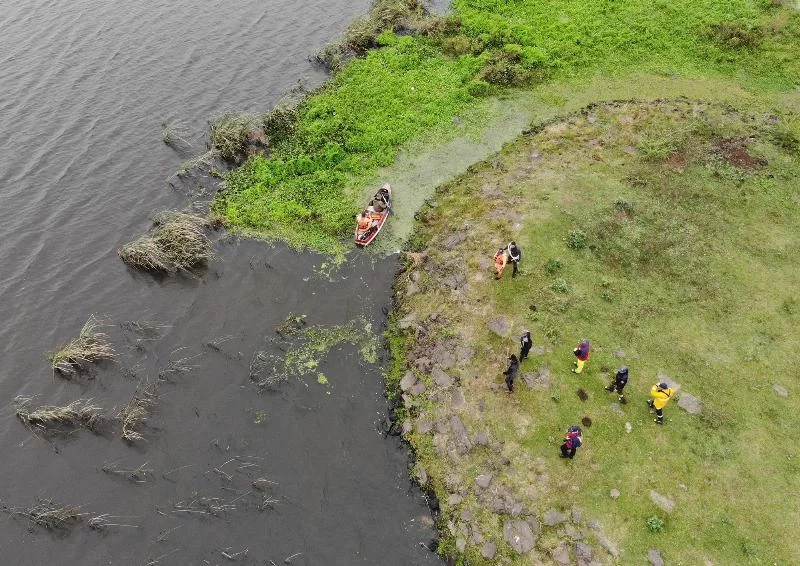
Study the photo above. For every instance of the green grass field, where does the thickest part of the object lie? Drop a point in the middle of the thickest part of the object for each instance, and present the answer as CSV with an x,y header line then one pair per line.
x,y
308,189
668,233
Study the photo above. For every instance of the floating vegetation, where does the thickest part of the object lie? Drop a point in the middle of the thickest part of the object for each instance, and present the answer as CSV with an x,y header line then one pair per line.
x,y
51,515
142,474
90,346
52,418
180,365
177,242
105,521
174,134
134,415
232,133
308,345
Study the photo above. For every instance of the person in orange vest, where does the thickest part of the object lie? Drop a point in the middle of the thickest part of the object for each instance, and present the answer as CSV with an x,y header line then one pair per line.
x,y
500,261
581,355
363,221
572,441
661,393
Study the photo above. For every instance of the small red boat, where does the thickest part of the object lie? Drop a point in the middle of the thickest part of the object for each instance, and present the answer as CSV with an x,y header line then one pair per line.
x,y
372,218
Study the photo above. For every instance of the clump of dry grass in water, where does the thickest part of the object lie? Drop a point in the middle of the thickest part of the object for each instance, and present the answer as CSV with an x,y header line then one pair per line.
x,y
105,521
134,415
137,475
51,515
177,242
52,418
232,133
89,347
177,366
174,134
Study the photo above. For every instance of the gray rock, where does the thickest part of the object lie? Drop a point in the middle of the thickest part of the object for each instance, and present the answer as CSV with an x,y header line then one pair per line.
x,y
780,390
454,499
517,509
619,353
665,503
654,557
577,515
442,426
407,321
457,402
488,550
408,381
412,289
424,426
690,404
535,525
460,437
477,537
500,326
408,400
422,476
553,517
583,552
610,547
561,553
455,280
540,379
593,524
454,239
519,535
417,389
407,426
461,545
414,276
440,377
483,480
466,515
443,356
616,408
423,363
482,439
614,493
464,354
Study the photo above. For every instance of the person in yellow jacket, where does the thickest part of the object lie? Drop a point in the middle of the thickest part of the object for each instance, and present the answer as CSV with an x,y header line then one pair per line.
x,y
661,393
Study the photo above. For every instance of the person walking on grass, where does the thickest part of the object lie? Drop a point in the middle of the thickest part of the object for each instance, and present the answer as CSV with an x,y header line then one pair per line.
x,y
500,262
525,344
661,393
581,355
619,383
511,372
572,441
514,256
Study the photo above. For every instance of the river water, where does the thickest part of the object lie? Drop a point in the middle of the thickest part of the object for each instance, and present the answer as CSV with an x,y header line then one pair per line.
x,y
84,88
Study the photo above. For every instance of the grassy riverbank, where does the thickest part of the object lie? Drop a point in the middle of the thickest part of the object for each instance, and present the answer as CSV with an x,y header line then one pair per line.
x,y
667,233
308,188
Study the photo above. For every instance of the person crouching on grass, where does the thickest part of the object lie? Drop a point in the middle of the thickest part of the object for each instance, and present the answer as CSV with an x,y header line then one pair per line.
x,y
500,261
572,441
620,380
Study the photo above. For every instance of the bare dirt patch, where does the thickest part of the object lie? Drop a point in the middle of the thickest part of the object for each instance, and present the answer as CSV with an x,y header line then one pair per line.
x,y
735,152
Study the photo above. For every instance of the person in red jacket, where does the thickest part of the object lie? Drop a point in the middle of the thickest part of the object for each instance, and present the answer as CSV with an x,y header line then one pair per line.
x,y
572,441
581,355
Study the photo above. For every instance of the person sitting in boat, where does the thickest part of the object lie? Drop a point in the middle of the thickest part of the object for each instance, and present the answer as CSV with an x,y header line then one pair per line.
x,y
364,221
377,205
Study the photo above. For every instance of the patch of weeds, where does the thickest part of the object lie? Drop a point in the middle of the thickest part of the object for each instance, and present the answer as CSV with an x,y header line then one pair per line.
x,y
790,305
280,124
655,524
577,239
623,206
736,35
785,138
607,296
89,347
177,242
559,285
321,379
553,265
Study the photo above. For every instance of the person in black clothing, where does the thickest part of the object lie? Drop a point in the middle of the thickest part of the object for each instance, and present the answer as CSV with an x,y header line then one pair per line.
x,y
511,372
525,344
514,256
619,383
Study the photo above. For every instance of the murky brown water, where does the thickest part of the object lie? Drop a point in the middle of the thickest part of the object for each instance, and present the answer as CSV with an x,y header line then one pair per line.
x,y
85,87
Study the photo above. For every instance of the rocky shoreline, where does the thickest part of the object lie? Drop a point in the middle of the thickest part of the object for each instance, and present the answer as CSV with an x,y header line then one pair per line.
x,y
495,493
